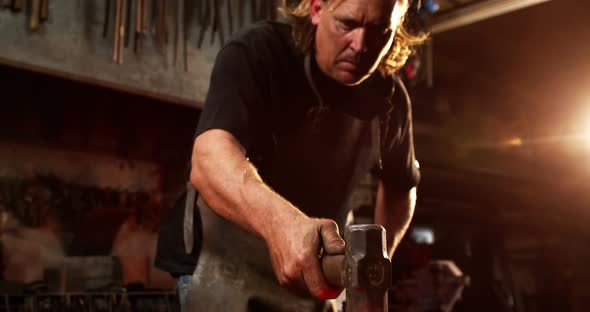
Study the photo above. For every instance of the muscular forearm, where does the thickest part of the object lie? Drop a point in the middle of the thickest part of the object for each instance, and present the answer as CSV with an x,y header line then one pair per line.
x,y
394,210
231,186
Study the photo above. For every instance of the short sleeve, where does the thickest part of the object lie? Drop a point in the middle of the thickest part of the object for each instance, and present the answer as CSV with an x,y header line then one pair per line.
x,y
233,95
399,168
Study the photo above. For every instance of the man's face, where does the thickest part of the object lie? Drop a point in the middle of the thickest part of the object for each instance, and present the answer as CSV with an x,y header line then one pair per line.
x,y
353,35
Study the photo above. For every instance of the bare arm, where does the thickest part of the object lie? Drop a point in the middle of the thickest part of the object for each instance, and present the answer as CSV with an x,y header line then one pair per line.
x,y
231,186
394,210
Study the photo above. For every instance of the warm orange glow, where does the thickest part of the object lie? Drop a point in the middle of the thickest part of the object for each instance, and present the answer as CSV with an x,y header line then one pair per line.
x,y
586,135
586,138
516,141
582,138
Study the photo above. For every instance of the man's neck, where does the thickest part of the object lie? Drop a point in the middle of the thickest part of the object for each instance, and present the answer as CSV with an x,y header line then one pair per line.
x,y
352,99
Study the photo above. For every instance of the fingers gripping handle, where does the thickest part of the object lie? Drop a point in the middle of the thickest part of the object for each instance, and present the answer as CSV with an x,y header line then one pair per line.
x,y
333,267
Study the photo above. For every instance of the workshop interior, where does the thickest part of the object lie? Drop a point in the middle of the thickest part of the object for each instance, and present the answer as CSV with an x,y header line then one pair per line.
x,y
101,98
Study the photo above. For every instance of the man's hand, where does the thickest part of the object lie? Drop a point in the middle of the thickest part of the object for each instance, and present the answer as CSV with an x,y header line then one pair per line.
x,y
295,250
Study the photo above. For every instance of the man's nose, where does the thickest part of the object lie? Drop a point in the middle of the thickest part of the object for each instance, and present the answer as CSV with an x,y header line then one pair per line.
x,y
358,43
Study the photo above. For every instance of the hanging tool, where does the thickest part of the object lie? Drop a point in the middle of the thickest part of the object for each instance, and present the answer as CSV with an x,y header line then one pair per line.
x,y
214,21
263,10
241,9
154,16
217,23
144,17
6,3
253,11
123,29
178,29
44,10
187,22
128,14
159,24
17,5
268,10
35,13
119,39
116,35
107,15
145,12
205,21
138,26
164,8
199,10
230,16
273,10
181,32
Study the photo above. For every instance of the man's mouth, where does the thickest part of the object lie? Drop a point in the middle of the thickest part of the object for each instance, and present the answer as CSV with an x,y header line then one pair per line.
x,y
350,65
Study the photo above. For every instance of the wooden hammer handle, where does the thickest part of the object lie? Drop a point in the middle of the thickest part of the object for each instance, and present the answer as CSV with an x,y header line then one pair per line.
x,y
332,266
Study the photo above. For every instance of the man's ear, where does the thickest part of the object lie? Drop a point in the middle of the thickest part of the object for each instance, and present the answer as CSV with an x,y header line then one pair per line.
x,y
315,10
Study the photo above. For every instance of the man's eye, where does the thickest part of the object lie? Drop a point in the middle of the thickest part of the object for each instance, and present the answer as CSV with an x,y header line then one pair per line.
x,y
346,25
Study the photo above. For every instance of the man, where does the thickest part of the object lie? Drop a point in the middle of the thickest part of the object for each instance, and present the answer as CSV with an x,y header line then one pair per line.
x,y
295,116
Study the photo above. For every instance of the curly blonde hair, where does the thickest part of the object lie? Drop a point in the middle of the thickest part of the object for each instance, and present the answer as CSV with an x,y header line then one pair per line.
x,y
303,33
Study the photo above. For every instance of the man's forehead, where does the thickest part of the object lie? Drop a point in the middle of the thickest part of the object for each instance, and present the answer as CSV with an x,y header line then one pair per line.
x,y
381,7
335,3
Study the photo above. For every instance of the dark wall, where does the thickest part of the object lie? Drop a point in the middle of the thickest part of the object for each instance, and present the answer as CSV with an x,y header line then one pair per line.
x,y
65,116
45,110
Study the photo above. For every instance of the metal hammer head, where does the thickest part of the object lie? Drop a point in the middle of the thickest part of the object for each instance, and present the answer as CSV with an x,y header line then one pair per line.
x,y
367,265
365,270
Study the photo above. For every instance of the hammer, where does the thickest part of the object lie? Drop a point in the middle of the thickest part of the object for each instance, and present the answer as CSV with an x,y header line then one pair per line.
x,y
364,270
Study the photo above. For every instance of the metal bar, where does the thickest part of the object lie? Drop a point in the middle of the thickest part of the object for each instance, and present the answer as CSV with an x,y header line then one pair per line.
x,y
178,31
144,18
35,13
164,8
44,10
107,14
205,21
230,16
253,11
273,10
123,33
138,20
128,18
241,9
17,5
117,31
478,12
186,10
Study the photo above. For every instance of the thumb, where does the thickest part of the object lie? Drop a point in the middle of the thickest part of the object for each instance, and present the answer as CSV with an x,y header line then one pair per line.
x,y
331,241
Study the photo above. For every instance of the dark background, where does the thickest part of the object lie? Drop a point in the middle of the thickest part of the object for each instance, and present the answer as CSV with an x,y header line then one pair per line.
x,y
514,217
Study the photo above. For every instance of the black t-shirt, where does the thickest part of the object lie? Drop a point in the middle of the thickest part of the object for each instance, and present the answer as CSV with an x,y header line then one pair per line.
x,y
311,150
